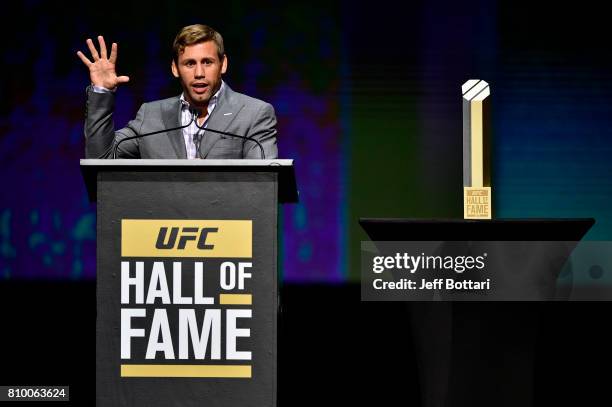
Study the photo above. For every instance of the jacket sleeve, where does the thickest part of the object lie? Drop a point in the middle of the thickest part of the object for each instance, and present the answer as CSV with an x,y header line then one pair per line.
x,y
100,135
264,131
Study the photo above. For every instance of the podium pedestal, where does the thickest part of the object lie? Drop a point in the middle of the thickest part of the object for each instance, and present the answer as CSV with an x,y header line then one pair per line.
x,y
475,353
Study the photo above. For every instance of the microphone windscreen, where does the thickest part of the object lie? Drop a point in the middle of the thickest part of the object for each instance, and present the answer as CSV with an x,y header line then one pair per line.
x,y
195,111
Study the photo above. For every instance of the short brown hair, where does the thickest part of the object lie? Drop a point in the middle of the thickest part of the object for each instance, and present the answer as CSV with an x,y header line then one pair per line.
x,y
195,34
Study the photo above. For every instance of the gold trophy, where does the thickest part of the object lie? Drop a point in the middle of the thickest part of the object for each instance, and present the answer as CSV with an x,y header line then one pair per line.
x,y
476,150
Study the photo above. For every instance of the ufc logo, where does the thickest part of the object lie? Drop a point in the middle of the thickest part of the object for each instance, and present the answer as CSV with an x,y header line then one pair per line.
x,y
186,234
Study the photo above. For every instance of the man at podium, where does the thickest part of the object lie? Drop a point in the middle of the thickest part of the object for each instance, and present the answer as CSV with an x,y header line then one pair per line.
x,y
208,120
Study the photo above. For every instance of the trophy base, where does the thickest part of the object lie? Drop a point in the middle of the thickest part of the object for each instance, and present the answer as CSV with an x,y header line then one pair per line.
x,y
477,203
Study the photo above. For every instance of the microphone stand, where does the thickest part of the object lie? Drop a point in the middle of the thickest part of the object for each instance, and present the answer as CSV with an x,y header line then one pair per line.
x,y
263,155
193,118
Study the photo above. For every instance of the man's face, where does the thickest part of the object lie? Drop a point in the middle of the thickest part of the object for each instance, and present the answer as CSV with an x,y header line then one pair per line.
x,y
199,70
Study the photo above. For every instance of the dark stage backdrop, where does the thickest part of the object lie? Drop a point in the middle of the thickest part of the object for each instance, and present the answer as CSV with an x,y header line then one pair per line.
x,y
368,101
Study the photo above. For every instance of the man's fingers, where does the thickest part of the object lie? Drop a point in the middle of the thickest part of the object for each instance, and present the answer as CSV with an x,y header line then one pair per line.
x,y
113,55
92,49
103,53
86,61
123,79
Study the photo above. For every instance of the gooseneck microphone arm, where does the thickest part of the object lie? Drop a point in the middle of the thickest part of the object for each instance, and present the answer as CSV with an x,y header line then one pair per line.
x,y
193,118
261,149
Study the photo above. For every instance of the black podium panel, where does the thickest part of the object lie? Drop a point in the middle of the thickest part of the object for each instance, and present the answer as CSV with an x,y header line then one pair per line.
x,y
387,229
187,293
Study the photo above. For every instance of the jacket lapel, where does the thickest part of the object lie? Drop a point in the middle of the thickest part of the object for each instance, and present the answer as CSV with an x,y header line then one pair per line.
x,y
225,111
170,114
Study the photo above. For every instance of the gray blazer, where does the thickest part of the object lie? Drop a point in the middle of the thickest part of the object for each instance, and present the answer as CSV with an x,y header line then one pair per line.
x,y
234,113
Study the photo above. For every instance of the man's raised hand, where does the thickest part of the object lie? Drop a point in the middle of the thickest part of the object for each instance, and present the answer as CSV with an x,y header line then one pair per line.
x,y
102,69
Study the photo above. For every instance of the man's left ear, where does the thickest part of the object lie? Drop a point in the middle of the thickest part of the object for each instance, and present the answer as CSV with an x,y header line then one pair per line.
x,y
224,64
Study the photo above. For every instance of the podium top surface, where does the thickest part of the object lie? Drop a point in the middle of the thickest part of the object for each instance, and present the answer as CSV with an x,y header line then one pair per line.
x,y
401,229
288,192
184,163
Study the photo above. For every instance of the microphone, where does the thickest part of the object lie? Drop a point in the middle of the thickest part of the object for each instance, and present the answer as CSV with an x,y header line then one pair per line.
x,y
193,118
195,114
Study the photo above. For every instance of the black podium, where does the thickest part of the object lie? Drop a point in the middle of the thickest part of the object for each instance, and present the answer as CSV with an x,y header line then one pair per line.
x,y
398,229
187,292
476,353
